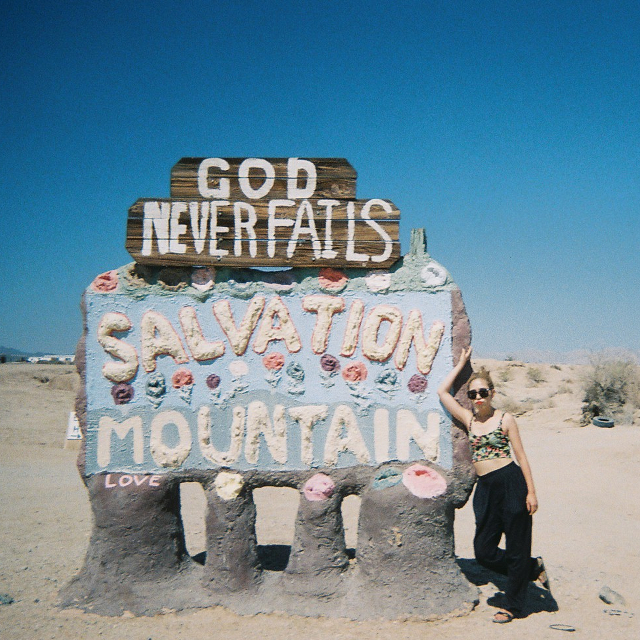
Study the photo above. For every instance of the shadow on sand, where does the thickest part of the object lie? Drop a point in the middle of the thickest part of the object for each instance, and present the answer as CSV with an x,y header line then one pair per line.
x,y
538,599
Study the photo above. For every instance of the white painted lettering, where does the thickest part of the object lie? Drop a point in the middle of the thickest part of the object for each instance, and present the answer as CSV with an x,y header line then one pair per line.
x,y
223,190
388,243
245,183
326,307
238,336
379,314
199,223
307,417
426,350
162,454
408,428
277,324
247,225
107,426
126,370
352,331
344,420
176,228
215,230
209,452
294,166
275,435
350,253
274,222
200,348
155,217
159,338
381,435
298,229
328,252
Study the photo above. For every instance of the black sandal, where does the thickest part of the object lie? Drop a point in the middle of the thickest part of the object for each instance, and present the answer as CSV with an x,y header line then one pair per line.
x,y
506,616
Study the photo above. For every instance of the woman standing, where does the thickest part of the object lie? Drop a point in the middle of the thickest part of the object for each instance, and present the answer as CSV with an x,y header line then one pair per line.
x,y
505,497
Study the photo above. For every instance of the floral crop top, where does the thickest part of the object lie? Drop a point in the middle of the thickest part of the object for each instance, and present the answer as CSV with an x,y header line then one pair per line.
x,y
494,444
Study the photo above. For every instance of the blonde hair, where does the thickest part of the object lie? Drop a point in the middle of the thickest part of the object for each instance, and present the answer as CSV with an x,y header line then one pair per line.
x,y
483,374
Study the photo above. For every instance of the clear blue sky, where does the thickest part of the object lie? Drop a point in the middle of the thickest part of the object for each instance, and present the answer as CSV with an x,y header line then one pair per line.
x,y
509,130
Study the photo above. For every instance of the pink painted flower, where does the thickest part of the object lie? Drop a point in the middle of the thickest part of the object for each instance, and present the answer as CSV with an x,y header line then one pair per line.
x,y
332,279
213,381
355,372
181,378
122,393
417,383
329,363
319,487
105,282
424,482
273,361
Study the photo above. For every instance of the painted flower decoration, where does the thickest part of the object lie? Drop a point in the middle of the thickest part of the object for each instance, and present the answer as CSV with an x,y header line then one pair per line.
x,y
378,281
228,485
318,488
424,482
273,361
122,393
181,378
433,275
105,282
355,372
417,383
203,278
386,478
387,378
332,279
238,368
213,381
156,385
295,371
329,363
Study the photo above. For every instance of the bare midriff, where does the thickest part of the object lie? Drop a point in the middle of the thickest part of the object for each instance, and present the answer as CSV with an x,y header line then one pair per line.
x,y
483,467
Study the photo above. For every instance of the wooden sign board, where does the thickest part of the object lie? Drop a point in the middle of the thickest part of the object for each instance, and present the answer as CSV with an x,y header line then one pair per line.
x,y
264,212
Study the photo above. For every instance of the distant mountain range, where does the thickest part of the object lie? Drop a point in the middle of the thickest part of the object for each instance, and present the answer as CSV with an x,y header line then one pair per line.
x,y
579,356
17,353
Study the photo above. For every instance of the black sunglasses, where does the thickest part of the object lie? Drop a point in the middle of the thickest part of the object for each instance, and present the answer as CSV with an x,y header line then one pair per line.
x,y
483,393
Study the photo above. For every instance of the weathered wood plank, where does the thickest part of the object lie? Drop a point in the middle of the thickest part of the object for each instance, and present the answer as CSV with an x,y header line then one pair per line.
x,y
226,212
303,256
336,178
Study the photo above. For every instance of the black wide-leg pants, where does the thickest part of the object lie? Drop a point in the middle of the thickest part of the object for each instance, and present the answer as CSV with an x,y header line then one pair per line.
x,y
499,504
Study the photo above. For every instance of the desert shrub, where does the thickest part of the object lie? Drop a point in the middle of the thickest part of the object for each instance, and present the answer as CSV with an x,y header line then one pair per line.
x,y
505,375
535,375
564,388
514,407
556,367
611,389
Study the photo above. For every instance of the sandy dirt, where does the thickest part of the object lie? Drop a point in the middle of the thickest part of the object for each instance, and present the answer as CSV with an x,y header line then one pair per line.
x,y
587,527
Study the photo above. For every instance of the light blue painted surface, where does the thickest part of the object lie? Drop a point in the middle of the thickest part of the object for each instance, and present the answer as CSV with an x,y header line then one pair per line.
x,y
434,305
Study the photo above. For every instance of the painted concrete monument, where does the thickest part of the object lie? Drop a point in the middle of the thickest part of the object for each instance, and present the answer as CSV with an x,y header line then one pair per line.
x,y
321,377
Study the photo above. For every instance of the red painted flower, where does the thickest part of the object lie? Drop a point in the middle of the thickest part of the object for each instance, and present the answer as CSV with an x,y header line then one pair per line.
x,y
181,378
332,279
273,361
424,482
355,372
105,282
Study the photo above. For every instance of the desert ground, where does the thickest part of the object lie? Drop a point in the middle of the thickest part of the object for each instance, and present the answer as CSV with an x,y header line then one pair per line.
x,y
587,527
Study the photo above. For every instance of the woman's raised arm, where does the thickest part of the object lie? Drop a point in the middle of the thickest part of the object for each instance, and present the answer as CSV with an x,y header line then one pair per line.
x,y
444,391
